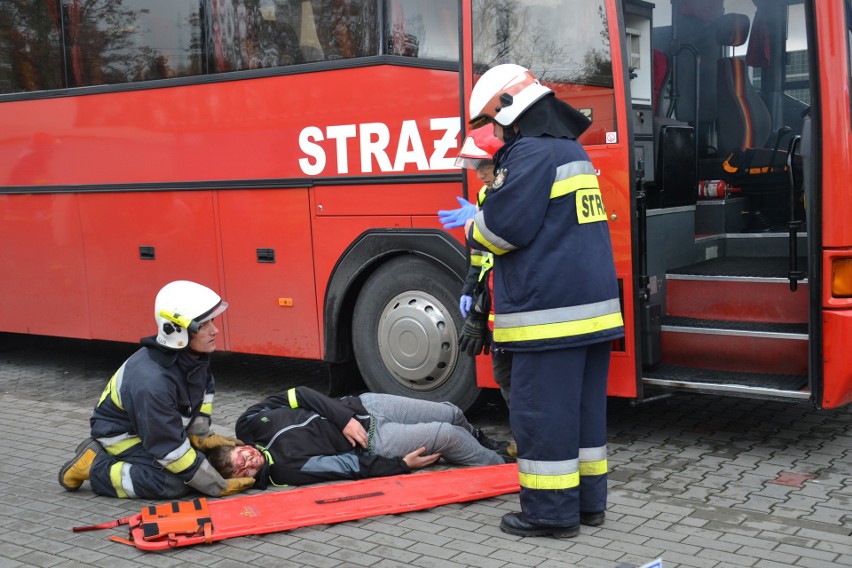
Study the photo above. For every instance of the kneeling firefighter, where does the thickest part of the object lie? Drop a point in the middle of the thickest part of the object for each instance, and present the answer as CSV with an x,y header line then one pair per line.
x,y
152,423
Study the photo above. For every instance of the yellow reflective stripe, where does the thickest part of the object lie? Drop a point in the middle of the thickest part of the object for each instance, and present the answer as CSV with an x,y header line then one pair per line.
x,y
560,329
480,238
477,259
207,408
111,389
184,462
291,396
593,468
115,479
122,446
538,481
572,184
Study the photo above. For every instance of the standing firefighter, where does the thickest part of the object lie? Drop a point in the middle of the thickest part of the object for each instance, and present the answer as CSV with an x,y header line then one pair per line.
x,y
152,422
477,153
556,297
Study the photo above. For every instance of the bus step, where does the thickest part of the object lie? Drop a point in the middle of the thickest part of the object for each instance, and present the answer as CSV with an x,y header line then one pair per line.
x,y
684,378
740,347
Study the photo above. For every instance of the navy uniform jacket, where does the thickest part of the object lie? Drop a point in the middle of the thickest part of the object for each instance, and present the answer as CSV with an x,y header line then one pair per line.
x,y
156,398
301,434
554,275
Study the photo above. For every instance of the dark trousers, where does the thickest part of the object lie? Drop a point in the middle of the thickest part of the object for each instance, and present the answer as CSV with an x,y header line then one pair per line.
x,y
558,417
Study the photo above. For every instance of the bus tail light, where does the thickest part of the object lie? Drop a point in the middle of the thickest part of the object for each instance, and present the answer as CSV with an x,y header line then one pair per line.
x,y
841,277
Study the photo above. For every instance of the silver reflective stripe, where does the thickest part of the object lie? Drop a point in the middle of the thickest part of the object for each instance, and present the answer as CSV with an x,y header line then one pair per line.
x,y
572,169
495,241
593,454
127,481
282,430
185,420
534,467
176,454
557,315
119,380
106,442
208,398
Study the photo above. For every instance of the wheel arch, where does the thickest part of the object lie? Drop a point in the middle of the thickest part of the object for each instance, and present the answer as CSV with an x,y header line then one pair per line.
x,y
366,253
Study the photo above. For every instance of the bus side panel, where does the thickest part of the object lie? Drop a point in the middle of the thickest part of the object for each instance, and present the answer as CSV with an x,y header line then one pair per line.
x,y
266,245
42,256
835,170
122,284
837,329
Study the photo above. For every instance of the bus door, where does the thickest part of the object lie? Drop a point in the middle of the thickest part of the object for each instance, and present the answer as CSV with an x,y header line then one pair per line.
x,y
731,219
573,47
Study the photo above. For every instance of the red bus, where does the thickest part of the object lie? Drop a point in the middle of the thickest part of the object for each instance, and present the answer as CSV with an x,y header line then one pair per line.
x,y
293,154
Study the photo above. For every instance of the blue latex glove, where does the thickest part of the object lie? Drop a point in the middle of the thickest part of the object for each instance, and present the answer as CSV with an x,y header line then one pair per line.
x,y
464,305
457,217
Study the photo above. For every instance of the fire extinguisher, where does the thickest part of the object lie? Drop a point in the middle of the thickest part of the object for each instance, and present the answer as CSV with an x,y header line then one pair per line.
x,y
715,189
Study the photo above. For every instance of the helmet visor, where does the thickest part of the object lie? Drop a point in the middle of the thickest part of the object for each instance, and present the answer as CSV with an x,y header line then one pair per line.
x,y
468,163
217,309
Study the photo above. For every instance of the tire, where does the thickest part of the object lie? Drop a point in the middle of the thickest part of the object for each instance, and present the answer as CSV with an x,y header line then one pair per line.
x,y
405,333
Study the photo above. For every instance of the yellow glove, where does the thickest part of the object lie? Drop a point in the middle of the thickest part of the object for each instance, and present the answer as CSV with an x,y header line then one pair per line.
x,y
212,441
236,484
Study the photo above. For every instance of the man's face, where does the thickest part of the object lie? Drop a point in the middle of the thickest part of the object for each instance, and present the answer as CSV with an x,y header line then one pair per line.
x,y
485,172
205,340
247,461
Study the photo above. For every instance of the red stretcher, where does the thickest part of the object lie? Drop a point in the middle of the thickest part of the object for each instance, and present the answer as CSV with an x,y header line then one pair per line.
x,y
185,523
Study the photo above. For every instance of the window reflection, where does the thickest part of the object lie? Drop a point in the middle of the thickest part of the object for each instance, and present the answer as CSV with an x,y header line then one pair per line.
x,y
251,34
53,44
30,46
425,30
565,43
133,40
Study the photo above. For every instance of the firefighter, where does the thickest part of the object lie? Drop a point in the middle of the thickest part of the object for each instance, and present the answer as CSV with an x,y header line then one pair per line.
x,y
152,423
556,296
477,153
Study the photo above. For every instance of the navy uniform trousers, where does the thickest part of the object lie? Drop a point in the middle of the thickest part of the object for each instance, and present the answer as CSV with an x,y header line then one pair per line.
x,y
558,417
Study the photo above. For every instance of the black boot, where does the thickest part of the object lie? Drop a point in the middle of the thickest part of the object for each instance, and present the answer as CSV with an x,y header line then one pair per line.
x,y
486,442
592,519
516,524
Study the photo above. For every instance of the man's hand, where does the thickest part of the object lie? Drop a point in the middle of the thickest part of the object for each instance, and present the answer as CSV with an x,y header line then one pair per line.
x,y
355,433
236,484
212,441
416,459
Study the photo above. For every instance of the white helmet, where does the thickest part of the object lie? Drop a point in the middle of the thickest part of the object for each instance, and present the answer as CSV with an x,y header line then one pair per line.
x,y
502,94
181,307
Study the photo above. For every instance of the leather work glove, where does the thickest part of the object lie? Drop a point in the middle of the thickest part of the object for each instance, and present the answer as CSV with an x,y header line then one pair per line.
x,y
236,484
211,441
453,218
464,305
475,335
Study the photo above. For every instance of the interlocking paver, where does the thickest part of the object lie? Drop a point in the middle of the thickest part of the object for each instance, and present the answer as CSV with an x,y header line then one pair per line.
x,y
689,482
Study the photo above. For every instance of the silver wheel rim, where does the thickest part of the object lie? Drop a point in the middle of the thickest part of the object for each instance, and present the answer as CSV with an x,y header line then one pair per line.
x,y
417,340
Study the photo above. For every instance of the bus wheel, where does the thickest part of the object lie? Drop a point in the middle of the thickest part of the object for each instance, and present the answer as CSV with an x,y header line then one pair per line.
x,y
405,333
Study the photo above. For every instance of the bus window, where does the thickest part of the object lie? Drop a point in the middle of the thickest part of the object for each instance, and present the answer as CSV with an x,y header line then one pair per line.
x,y
565,44
251,34
427,31
138,40
30,46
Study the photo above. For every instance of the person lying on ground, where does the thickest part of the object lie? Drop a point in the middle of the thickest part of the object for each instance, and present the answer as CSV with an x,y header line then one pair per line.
x,y
301,437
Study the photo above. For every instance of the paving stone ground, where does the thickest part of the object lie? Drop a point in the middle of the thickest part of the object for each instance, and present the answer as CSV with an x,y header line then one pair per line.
x,y
699,481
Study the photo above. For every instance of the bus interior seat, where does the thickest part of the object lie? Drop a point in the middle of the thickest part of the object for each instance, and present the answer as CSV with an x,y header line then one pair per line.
x,y
754,158
744,120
